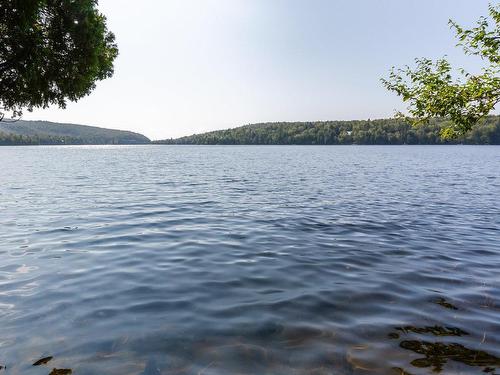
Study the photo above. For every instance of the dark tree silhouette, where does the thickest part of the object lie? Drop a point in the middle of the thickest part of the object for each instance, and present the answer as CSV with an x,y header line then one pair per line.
x,y
51,51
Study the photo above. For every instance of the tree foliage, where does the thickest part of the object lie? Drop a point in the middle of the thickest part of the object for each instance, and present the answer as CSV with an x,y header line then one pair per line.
x,y
370,132
50,133
432,90
51,51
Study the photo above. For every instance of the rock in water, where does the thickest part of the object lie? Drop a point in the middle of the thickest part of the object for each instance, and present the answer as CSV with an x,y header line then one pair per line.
x,y
61,371
42,361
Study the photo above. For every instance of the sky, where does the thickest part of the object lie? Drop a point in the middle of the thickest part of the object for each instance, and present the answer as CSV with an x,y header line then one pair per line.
x,y
189,66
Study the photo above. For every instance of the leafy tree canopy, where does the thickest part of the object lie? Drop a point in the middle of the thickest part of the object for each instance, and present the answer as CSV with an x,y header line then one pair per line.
x,y
51,51
433,90
370,132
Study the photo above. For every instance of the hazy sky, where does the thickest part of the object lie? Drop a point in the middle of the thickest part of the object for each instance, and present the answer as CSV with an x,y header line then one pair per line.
x,y
188,66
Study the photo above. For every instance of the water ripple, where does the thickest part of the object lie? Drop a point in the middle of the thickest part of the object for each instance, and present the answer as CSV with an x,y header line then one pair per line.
x,y
250,260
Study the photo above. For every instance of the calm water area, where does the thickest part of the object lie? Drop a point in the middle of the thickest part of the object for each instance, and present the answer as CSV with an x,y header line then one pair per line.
x,y
215,260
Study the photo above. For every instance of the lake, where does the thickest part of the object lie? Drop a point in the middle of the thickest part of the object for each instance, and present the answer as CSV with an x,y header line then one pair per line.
x,y
250,259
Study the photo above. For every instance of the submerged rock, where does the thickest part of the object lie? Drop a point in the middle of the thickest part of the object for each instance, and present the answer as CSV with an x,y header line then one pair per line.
x,y
438,353
400,371
61,371
444,303
43,361
435,330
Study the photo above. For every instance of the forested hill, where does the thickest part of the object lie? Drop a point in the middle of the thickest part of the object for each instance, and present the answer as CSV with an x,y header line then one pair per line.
x,y
50,133
371,132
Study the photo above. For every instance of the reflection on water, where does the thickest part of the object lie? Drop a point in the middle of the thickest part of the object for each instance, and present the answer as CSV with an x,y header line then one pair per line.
x,y
249,260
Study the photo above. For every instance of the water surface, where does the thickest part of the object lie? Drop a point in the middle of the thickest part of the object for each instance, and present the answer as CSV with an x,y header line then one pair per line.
x,y
250,259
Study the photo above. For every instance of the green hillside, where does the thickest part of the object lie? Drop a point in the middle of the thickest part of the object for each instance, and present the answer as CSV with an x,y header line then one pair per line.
x,y
372,132
50,133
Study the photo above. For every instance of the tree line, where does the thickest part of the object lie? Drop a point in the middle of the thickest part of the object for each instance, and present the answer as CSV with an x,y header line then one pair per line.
x,y
369,132
48,133
9,139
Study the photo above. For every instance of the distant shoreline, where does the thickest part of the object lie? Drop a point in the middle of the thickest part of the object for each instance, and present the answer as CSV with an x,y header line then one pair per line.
x,y
153,143
32,133
320,133
365,132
